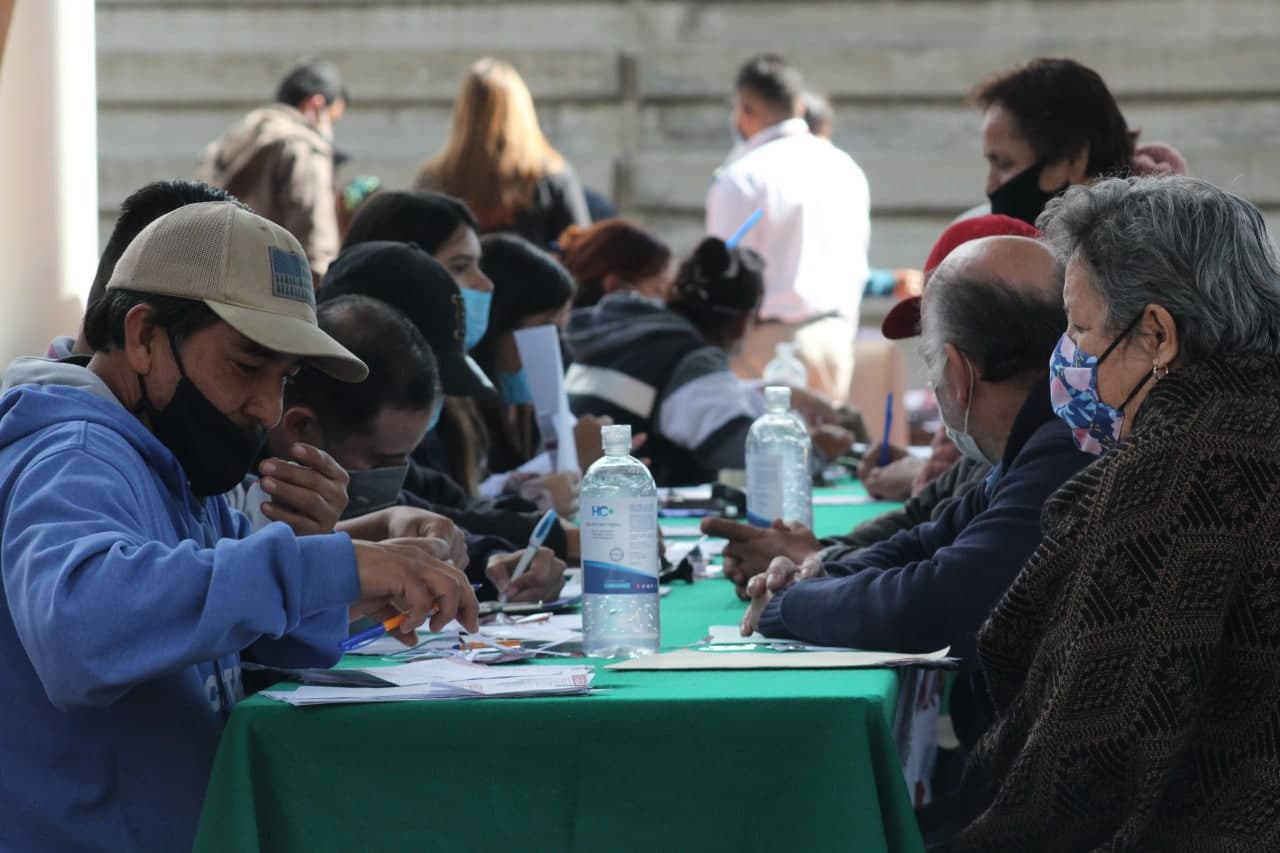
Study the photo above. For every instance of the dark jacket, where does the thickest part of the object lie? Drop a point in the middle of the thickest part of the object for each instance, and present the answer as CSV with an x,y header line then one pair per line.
x,y
932,502
1135,661
644,365
279,165
933,585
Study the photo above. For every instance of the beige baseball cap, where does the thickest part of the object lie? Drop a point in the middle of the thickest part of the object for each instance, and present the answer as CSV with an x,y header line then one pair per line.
x,y
249,271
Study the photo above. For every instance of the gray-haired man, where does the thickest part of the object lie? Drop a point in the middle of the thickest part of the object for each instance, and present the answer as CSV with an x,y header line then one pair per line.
x,y
991,316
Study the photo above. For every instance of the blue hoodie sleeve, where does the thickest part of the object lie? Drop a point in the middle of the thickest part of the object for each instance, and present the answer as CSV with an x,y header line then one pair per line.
x,y
312,643
933,585
101,606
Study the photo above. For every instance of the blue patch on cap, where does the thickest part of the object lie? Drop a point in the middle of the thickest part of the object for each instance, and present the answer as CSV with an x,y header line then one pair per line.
x,y
291,276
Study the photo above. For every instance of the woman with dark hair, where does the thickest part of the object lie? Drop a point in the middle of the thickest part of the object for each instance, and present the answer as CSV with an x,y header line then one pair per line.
x,y
529,289
445,228
665,370
1053,123
499,162
614,256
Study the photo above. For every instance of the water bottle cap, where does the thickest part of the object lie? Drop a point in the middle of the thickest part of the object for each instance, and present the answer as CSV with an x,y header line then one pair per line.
x,y
777,398
616,439
786,350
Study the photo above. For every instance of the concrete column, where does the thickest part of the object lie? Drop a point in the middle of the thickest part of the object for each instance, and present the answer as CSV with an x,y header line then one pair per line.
x,y
48,173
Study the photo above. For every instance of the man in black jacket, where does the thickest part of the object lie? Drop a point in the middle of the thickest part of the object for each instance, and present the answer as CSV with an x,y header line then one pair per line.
x,y
991,316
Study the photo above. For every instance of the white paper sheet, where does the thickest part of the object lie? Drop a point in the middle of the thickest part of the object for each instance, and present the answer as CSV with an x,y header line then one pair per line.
x,y
695,659
448,679
540,354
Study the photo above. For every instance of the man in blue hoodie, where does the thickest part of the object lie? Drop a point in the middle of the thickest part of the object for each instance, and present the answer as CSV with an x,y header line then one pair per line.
x,y
131,592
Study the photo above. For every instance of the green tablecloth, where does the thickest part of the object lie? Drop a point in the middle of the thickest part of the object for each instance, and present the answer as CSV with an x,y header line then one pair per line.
x,y
707,761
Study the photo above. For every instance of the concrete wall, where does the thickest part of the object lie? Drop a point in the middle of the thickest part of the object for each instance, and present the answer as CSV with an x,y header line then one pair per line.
x,y
635,91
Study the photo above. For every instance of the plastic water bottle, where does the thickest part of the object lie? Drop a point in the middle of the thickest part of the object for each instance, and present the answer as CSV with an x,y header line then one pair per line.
x,y
778,477
619,514
786,369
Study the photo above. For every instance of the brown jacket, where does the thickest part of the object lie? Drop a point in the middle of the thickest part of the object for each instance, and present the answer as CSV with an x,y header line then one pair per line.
x,y
1135,661
280,166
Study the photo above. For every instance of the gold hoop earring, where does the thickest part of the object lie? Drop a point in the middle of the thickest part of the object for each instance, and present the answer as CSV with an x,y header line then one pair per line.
x,y
1155,371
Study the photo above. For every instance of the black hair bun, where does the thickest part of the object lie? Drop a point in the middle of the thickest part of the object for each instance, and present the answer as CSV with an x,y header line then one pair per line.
x,y
712,258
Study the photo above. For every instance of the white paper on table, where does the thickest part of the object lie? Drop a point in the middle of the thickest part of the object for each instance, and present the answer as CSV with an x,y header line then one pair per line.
x,y
543,363
730,635
694,659
680,531
710,548
686,493
448,679
820,499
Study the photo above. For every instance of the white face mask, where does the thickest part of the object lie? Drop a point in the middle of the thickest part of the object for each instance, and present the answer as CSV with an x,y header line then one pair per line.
x,y
963,441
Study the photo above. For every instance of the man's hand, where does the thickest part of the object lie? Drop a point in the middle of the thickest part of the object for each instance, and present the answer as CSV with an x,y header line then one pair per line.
x,y
831,441
893,482
309,494
542,581
781,574
815,409
406,522
403,574
752,549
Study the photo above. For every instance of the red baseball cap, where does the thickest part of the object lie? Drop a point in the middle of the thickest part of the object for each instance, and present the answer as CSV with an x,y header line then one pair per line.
x,y
903,319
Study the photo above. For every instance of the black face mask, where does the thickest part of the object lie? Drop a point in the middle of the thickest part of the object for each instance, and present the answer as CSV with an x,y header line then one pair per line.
x,y
374,489
213,450
1021,196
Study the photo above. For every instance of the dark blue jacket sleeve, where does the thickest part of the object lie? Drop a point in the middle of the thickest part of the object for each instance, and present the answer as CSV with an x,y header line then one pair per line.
x,y
932,586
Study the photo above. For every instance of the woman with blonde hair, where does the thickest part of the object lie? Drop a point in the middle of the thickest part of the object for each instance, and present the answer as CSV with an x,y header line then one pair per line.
x,y
498,161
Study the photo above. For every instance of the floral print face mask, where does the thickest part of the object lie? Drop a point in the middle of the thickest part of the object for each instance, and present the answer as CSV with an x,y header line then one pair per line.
x,y
1073,391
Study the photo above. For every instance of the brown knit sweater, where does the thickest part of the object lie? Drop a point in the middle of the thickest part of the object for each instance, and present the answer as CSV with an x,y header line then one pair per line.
x,y
1135,661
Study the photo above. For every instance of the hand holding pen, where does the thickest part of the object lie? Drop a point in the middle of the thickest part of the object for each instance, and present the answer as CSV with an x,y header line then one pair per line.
x,y
534,574
402,574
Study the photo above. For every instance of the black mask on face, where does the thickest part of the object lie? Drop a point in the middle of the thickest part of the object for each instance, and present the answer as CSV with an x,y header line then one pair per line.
x,y
1021,196
213,450
374,489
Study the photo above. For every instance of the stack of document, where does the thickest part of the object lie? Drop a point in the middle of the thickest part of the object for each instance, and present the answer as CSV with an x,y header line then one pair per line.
x,y
443,679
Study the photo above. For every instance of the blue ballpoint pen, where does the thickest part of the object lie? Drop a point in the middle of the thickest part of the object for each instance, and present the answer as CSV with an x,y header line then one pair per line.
x,y
744,228
888,424
535,542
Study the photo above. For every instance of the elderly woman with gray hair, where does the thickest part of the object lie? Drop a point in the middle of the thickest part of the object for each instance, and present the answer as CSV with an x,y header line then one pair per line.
x,y
1134,664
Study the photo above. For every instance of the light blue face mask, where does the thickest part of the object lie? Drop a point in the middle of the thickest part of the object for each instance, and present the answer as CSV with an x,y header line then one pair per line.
x,y
514,387
476,303
435,413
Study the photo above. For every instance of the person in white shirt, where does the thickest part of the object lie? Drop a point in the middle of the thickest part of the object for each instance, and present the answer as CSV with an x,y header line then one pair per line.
x,y
813,234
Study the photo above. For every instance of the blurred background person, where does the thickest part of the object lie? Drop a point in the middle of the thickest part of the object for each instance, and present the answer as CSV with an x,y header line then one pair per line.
x,y
616,256
407,278
279,159
530,289
818,115
443,227
371,429
1052,123
907,476
814,233
498,161
665,369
